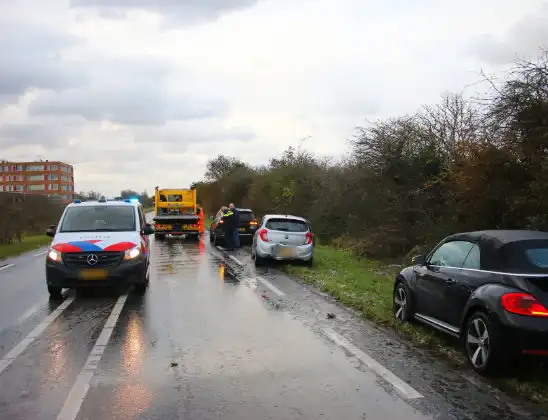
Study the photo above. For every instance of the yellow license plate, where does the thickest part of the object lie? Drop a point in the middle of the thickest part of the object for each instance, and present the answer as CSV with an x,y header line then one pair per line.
x,y
187,227
94,274
163,227
287,252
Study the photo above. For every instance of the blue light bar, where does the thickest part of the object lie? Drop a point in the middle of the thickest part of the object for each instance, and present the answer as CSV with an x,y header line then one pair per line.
x,y
77,201
134,200
127,200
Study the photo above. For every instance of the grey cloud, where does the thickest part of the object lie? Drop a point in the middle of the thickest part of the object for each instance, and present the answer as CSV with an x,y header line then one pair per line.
x,y
130,92
30,57
523,40
197,131
181,11
48,133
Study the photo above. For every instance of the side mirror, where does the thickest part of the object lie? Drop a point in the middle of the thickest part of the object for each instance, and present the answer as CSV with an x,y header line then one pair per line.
x,y
419,260
148,230
51,231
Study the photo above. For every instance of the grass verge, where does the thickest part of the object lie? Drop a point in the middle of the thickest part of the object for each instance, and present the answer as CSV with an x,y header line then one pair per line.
x,y
28,243
367,286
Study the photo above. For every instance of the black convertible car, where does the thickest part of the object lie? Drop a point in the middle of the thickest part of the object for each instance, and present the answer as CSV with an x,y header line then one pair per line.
x,y
488,288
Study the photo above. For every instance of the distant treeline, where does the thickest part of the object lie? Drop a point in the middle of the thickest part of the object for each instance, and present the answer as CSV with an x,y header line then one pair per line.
x,y
26,214
459,165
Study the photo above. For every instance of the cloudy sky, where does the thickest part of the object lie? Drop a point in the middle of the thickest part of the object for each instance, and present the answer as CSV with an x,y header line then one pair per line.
x,y
137,93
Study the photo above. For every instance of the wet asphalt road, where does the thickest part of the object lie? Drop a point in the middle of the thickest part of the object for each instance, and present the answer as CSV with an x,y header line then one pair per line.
x,y
215,339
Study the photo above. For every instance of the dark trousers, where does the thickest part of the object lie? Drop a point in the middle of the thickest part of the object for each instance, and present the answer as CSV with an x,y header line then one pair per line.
x,y
236,239
229,238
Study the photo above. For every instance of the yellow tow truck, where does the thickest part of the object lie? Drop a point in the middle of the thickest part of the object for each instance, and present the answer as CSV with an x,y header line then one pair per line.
x,y
175,213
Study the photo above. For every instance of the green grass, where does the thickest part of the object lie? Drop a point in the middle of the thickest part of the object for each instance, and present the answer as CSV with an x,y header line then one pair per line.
x,y
367,286
27,244
207,222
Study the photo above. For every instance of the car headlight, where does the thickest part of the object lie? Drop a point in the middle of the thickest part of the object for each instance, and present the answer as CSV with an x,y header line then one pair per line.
x,y
55,256
132,253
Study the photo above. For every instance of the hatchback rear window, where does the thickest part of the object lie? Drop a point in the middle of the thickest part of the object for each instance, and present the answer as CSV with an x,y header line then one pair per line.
x,y
287,225
246,216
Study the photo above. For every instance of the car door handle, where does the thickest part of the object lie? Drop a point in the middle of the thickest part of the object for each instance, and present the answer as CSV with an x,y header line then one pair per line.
x,y
450,281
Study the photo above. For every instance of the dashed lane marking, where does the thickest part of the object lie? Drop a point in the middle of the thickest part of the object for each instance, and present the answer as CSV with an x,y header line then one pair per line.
x,y
80,389
6,266
40,253
270,286
401,387
236,260
35,333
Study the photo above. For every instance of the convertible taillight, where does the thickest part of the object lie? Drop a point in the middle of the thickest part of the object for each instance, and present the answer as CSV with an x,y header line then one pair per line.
x,y
308,238
263,234
523,304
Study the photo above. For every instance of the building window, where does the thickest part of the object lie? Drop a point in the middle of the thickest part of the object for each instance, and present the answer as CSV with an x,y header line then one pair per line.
x,y
53,177
5,168
35,177
53,186
18,178
19,187
40,187
19,168
53,167
35,167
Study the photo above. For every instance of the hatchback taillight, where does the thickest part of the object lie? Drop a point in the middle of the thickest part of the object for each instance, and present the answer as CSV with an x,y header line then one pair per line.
x,y
263,234
308,238
523,304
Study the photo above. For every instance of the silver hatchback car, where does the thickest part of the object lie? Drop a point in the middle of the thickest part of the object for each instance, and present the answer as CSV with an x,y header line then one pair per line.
x,y
283,237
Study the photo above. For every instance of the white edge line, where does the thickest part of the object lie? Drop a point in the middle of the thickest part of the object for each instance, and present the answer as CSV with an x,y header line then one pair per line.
x,y
220,247
6,266
270,286
236,260
40,253
403,389
78,393
27,341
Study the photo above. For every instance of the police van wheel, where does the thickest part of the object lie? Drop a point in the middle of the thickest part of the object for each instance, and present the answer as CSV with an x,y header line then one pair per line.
x,y
55,292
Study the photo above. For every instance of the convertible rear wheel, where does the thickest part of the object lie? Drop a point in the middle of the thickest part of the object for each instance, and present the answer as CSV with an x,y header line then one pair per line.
x,y
480,343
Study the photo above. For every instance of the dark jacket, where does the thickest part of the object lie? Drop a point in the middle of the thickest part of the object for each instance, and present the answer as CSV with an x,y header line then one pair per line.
x,y
236,218
228,221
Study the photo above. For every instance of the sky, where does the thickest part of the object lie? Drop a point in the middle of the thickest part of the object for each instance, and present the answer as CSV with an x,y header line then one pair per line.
x,y
138,93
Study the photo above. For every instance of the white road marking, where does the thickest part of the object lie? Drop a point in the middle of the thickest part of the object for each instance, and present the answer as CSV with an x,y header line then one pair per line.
x,y
6,266
401,387
35,333
220,247
31,311
81,387
236,260
40,253
271,286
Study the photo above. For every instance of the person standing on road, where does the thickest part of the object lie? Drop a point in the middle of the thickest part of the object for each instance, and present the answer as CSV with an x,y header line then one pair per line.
x,y
228,228
236,235
201,222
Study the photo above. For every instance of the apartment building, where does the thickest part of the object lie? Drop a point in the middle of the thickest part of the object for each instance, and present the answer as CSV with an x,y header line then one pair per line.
x,y
55,179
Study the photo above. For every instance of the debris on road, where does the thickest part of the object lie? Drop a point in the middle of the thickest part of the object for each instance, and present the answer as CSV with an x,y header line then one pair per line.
x,y
330,316
174,364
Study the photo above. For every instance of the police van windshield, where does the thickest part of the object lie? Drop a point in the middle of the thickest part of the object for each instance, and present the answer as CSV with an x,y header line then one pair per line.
x,y
99,219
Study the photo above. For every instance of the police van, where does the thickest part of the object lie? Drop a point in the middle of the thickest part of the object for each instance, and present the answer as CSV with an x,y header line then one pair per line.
x,y
99,244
